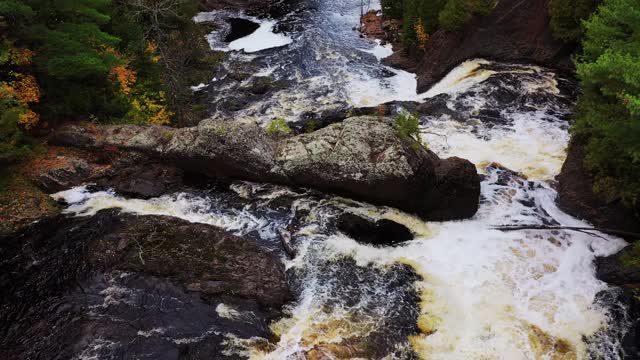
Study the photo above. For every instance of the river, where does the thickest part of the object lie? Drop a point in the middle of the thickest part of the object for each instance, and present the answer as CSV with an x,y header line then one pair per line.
x,y
474,292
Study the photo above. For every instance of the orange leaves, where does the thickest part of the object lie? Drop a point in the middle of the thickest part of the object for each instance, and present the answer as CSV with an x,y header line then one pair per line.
x,y
422,35
18,89
26,90
126,78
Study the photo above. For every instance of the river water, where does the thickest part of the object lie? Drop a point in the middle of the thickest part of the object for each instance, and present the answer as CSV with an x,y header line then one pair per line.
x,y
461,289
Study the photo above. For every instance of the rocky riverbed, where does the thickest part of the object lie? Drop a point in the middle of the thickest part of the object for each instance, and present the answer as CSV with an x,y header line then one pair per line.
x,y
340,240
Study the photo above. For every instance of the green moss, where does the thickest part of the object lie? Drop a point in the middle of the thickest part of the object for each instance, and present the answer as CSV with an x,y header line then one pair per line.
x,y
311,126
631,257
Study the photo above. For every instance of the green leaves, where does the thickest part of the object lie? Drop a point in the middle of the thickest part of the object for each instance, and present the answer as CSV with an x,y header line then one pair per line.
x,y
435,14
14,9
407,126
567,17
278,127
608,112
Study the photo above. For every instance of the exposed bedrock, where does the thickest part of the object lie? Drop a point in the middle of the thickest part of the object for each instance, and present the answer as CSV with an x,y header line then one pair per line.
x,y
576,196
362,158
515,31
124,286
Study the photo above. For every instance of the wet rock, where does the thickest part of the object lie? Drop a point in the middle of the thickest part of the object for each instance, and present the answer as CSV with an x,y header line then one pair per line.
x,y
128,174
621,269
576,196
372,25
379,309
144,181
116,285
456,188
379,232
621,338
436,107
261,85
69,172
515,31
361,157
240,28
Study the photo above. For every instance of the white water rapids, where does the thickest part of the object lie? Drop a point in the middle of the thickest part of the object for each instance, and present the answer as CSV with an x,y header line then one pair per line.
x,y
483,293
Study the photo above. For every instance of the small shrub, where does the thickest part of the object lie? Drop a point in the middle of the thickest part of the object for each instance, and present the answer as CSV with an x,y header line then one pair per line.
x,y
408,126
278,127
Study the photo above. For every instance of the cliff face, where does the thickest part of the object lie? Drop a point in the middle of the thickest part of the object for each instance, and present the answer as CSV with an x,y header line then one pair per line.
x,y
516,31
576,196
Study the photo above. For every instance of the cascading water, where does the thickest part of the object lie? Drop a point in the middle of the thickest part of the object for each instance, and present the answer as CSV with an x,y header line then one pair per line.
x,y
326,65
461,289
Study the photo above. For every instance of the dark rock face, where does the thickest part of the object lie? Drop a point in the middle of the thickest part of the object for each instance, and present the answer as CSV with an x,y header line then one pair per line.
x,y
121,286
362,158
516,31
240,28
380,232
128,174
144,180
455,188
612,269
576,196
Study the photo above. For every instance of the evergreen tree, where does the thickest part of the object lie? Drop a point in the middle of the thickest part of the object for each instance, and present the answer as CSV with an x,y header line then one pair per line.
x,y
567,17
457,13
609,108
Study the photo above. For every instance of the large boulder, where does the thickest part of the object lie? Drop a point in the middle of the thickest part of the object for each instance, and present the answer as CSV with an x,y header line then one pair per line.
x,y
362,158
375,232
515,31
621,269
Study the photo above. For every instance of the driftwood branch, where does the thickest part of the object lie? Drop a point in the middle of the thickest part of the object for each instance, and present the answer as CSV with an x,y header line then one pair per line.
x,y
285,239
446,139
586,230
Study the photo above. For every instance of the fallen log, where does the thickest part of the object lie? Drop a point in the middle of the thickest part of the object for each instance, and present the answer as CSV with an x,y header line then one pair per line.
x,y
586,230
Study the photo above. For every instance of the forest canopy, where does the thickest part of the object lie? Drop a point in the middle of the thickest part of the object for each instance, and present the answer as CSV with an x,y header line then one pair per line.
x,y
608,111
110,61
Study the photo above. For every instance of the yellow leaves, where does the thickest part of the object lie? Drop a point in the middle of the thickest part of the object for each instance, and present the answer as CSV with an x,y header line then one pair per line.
x,y
162,117
125,77
422,35
151,49
151,111
28,119
20,56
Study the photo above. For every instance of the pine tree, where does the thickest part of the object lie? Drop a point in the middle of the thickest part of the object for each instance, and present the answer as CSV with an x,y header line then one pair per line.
x,y
608,112
567,17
